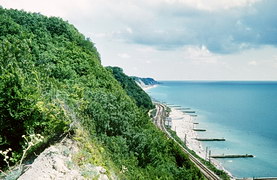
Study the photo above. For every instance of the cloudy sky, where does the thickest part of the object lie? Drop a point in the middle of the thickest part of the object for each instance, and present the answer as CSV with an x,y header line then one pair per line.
x,y
175,39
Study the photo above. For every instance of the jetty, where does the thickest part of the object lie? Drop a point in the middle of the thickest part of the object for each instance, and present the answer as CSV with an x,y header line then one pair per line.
x,y
233,156
185,111
173,106
182,108
196,129
210,139
180,118
258,178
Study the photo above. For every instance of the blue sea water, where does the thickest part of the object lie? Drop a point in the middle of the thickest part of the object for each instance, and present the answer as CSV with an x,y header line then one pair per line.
x,y
244,113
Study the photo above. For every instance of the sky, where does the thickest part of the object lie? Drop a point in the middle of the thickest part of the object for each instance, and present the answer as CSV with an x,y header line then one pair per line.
x,y
175,39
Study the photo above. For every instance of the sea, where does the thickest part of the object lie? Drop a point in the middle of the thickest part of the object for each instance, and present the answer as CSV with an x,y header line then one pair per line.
x,y
242,112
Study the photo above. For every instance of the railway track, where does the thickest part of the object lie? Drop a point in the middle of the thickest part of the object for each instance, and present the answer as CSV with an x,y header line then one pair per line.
x,y
159,121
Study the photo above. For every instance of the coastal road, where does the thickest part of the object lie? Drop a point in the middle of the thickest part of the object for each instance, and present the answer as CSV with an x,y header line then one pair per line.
x,y
159,121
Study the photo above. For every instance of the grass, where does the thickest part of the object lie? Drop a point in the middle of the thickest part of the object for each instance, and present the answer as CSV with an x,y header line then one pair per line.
x,y
92,154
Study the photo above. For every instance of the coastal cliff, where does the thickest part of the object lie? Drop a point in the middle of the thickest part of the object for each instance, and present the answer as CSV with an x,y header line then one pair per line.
x,y
145,82
57,99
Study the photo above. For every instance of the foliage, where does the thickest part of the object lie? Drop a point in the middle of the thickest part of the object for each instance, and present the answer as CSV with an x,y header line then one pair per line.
x,y
52,79
131,88
30,141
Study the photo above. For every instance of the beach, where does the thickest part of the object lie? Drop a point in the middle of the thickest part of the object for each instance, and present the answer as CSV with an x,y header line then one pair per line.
x,y
183,125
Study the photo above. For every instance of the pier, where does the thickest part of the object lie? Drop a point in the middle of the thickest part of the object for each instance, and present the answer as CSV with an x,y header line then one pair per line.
x,y
258,178
173,106
182,108
210,139
233,156
188,111
195,129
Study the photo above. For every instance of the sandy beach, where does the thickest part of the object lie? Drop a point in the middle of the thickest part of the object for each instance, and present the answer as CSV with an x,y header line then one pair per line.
x,y
183,125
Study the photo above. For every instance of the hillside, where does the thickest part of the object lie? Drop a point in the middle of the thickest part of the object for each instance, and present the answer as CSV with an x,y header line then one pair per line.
x,y
54,86
132,88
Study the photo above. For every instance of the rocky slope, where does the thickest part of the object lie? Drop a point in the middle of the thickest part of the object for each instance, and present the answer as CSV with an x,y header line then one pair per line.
x,y
57,163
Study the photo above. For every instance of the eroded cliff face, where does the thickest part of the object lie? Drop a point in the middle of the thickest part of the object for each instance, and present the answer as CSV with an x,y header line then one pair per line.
x,y
59,162
145,82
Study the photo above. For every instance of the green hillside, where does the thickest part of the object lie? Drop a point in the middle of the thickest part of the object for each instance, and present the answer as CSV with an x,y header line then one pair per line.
x,y
132,89
52,83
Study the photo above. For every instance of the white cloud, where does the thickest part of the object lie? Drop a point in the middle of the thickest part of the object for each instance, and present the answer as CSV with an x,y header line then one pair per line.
x,y
253,63
129,30
200,55
100,35
124,55
61,8
274,61
147,49
212,5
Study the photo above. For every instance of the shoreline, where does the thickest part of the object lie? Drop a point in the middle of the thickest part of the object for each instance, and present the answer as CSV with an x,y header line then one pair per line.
x,y
183,125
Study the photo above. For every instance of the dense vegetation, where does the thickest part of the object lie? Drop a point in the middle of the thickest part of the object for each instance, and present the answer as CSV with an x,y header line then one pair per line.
x,y
131,88
52,80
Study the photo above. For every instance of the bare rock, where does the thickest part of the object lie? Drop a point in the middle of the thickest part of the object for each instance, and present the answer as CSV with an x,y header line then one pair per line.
x,y
56,163
52,164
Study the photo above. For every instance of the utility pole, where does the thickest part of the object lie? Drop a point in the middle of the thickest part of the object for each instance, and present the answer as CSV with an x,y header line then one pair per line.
x,y
209,156
206,156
